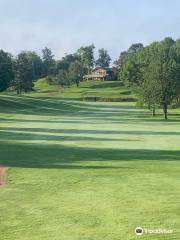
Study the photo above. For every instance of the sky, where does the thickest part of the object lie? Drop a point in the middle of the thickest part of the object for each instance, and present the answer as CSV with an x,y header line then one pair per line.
x,y
66,25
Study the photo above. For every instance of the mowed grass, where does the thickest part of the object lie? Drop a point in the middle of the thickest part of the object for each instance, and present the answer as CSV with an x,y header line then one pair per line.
x,y
86,89
87,171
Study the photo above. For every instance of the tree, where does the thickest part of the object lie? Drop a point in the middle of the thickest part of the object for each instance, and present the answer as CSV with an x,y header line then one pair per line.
x,y
24,73
130,72
48,61
104,58
148,87
134,48
86,57
167,72
66,61
62,78
72,67
6,70
75,72
154,71
177,57
37,64
121,60
161,73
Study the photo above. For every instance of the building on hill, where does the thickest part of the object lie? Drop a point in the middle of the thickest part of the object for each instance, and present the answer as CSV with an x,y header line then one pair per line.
x,y
101,74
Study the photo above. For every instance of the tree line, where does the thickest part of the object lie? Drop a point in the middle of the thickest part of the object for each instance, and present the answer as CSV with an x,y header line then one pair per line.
x,y
153,72
21,71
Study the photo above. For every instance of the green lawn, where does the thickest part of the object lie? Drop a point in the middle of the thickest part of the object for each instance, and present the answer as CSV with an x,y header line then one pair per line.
x,y
87,171
86,89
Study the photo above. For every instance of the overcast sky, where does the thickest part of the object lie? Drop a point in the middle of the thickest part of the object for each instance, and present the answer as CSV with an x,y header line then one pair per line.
x,y
65,25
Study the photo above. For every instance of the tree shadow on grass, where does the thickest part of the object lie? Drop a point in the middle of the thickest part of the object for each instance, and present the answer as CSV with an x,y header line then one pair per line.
x,y
68,157
38,136
96,111
30,131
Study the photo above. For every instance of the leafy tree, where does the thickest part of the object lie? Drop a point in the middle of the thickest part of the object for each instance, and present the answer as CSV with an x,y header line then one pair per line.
x,y
147,85
130,72
134,48
161,73
154,71
48,62
104,58
120,61
64,73
177,57
24,73
72,67
86,57
6,70
167,72
37,64
76,72
62,78
66,61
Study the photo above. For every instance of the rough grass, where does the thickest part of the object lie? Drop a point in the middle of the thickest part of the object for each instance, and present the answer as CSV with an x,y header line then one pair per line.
x,y
86,171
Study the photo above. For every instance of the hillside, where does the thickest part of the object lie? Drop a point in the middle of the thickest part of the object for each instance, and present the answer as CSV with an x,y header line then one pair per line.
x,y
106,89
